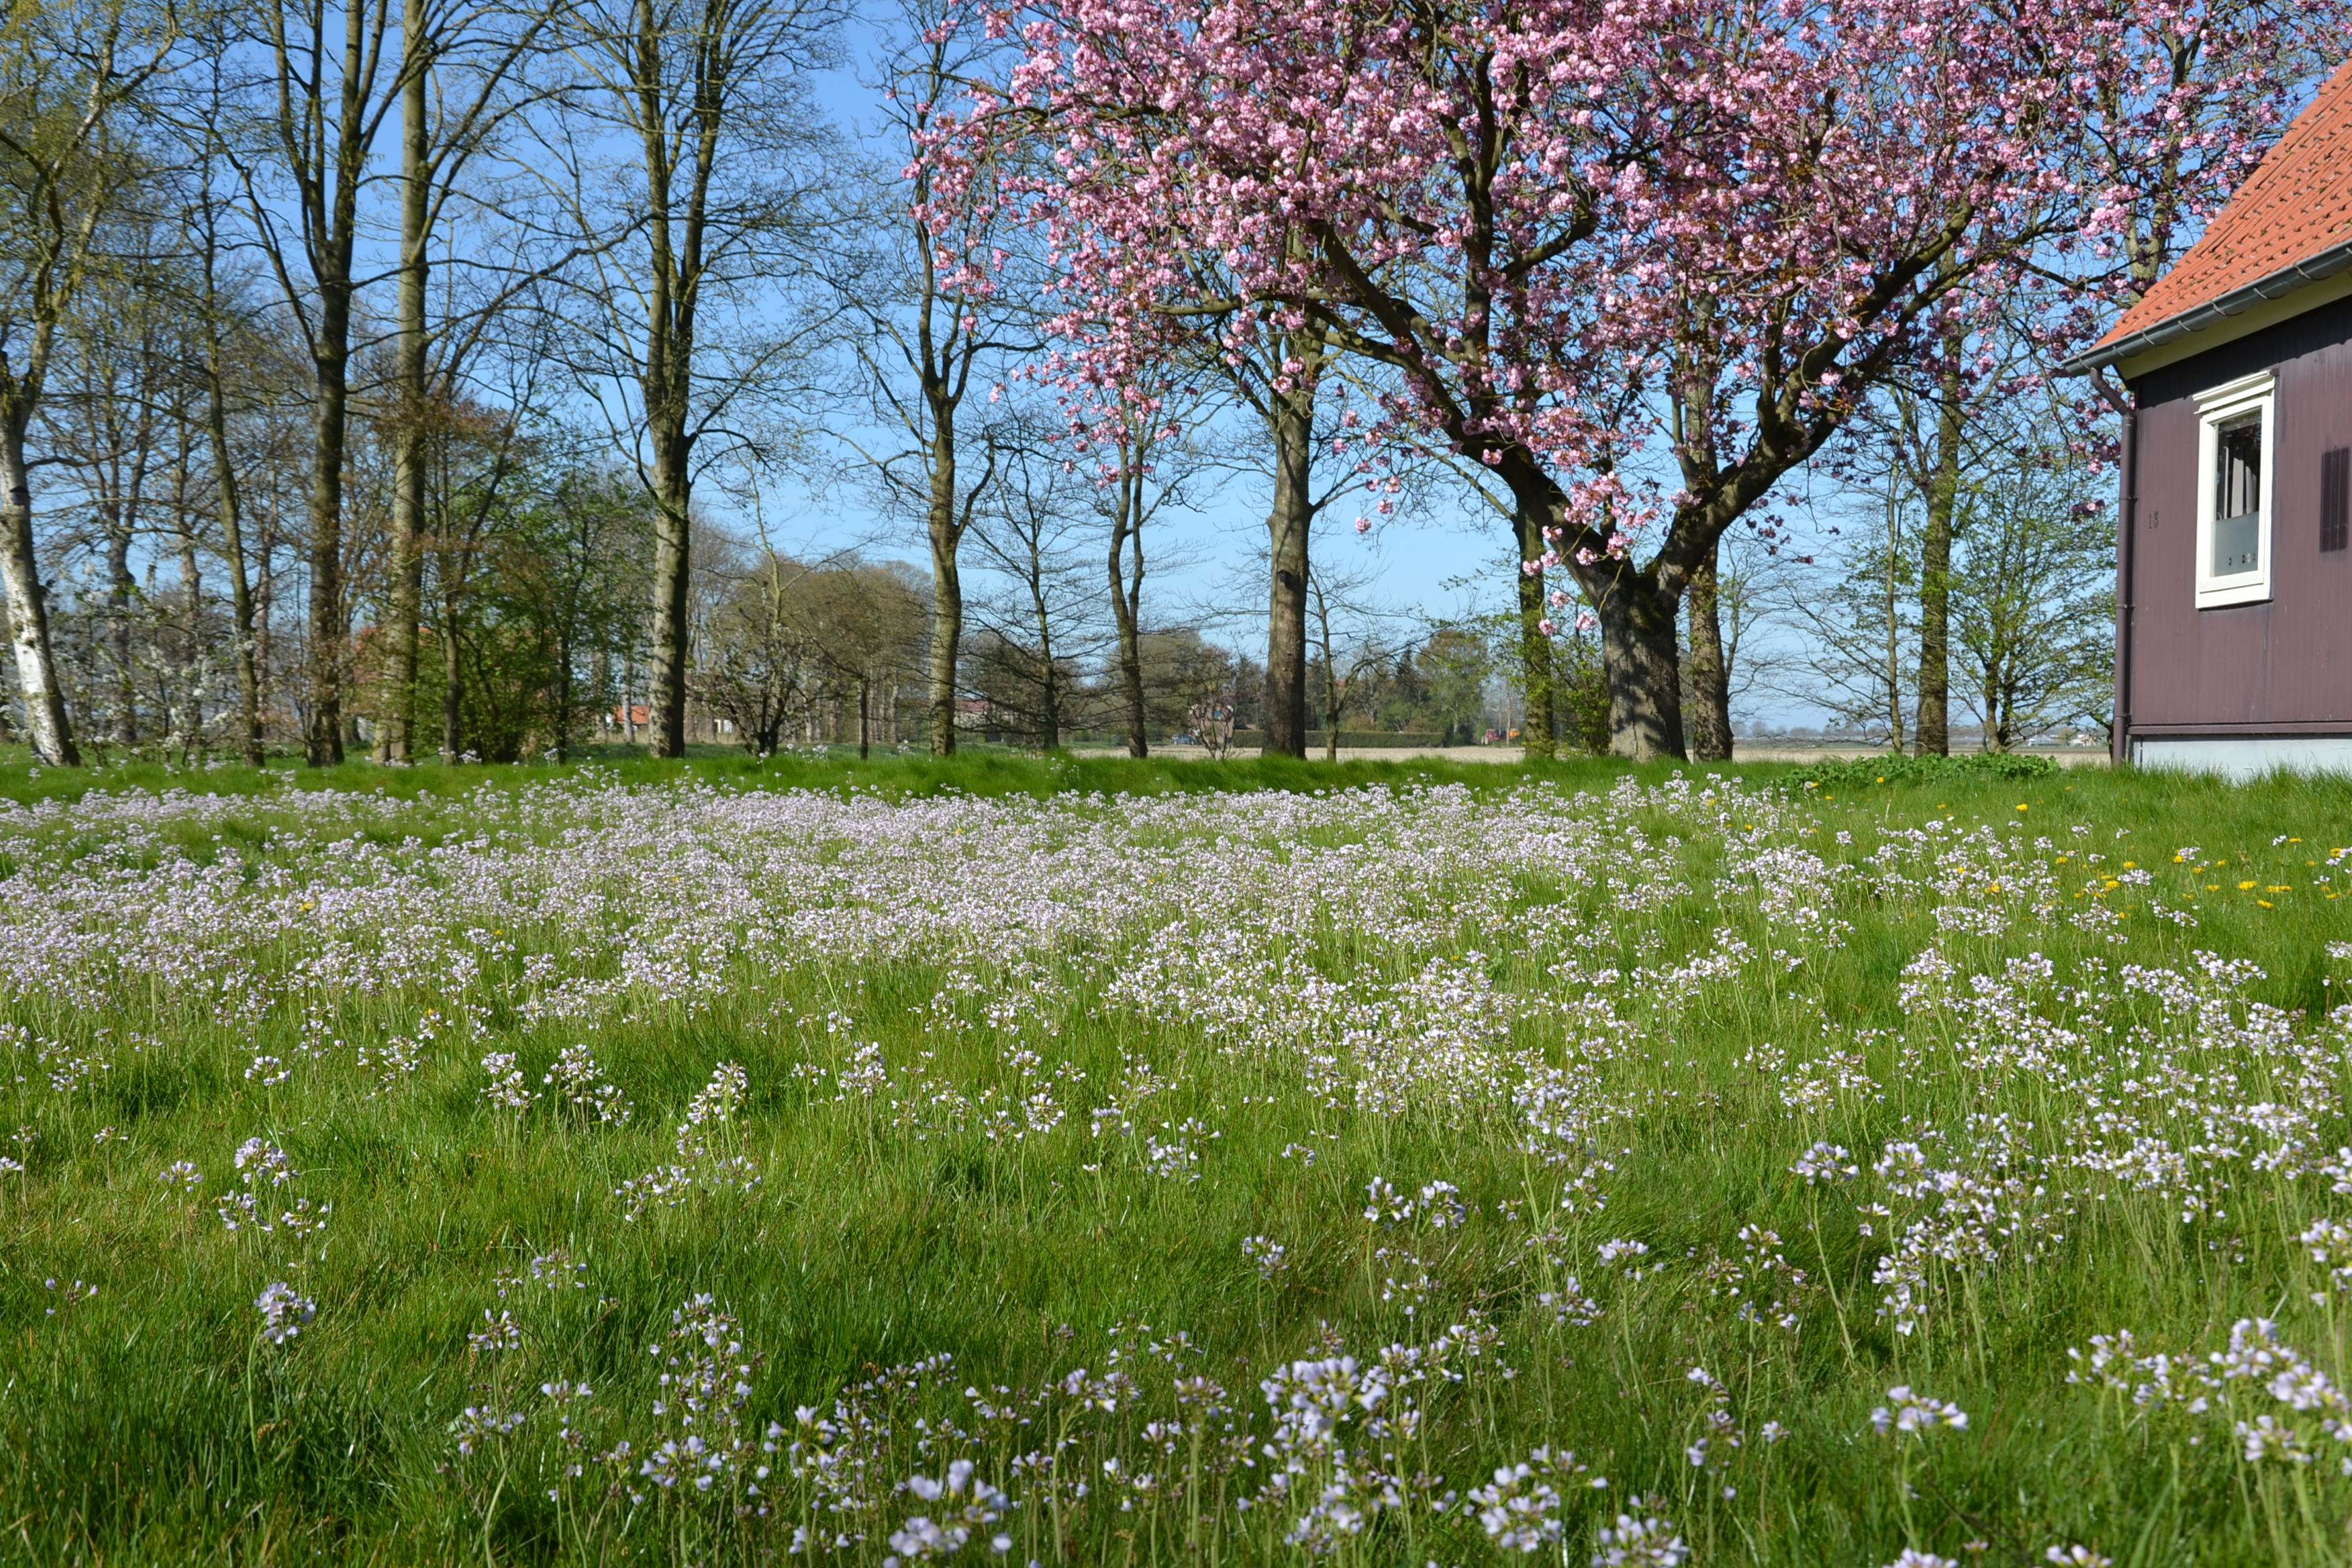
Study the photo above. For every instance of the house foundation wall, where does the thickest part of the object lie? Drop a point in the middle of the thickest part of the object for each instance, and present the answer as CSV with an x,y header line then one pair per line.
x,y
2239,758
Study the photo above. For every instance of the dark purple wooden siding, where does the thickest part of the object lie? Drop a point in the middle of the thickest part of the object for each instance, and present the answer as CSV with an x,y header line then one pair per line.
x,y
2284,666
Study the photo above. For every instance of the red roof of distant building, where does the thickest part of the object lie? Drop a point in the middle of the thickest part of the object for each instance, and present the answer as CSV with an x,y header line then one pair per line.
x,y
2298,203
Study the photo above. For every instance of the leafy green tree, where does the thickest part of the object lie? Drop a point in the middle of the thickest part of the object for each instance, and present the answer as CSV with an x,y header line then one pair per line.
x,y
2033,598
1456,663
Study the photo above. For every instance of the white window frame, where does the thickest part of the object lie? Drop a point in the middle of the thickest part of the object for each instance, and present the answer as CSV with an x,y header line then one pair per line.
x,y
2215,407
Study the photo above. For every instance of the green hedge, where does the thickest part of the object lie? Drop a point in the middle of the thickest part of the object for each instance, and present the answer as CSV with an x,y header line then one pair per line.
x,y
1354,740
1891,768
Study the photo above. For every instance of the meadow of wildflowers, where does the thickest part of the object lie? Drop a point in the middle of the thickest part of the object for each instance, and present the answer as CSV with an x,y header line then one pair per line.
x,y
1585,1168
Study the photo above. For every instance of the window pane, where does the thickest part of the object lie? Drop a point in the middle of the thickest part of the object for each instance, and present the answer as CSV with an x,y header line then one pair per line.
x,y
2236,545
2238,495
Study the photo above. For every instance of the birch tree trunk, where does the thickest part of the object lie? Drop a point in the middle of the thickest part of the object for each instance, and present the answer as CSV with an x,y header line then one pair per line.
x,y
941,522
47,726
60,189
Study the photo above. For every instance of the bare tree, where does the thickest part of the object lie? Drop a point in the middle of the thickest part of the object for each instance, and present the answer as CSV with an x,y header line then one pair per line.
x,y
865,624
1149,456
458,68
1730,605
214,305
1353,634
73,76
1542,680
689,249
310,147
1280,371
1284,371
941,311
794,642
103,423
1044,619
756,671
1855,611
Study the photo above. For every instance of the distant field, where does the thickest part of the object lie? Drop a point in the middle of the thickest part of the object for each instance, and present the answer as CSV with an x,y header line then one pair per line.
x,y
1081,1161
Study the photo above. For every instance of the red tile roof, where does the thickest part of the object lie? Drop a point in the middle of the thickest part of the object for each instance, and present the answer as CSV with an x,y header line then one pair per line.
x,y
2298,203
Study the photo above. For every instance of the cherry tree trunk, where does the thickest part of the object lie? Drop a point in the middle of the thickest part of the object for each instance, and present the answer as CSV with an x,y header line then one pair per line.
x,y
1709,721
1639,652
1933,733
1537,726
1126,594
1286,533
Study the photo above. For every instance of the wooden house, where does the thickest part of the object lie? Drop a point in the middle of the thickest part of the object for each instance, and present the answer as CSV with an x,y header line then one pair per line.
x,y
2233,571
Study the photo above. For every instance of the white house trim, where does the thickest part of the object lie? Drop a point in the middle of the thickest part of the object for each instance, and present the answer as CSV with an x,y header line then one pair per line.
x,y
2217,406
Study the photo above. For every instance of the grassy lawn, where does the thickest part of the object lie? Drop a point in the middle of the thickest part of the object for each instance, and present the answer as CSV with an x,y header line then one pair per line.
x,y
1093,1160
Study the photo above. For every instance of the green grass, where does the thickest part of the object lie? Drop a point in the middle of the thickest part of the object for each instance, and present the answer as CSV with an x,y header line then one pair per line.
x,y
1300,980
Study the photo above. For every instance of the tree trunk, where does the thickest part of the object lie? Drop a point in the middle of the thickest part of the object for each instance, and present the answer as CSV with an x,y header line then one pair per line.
x,y
336,221
565,699
1893,669
248,667
188,725
1125,604
394,741
673,567
1287,526
187,716
1050,683
452,686
1643,668
122,597
28,612
673,282
1538,727
947,584
1933,728
1710,675
864,721
322,746
232,517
